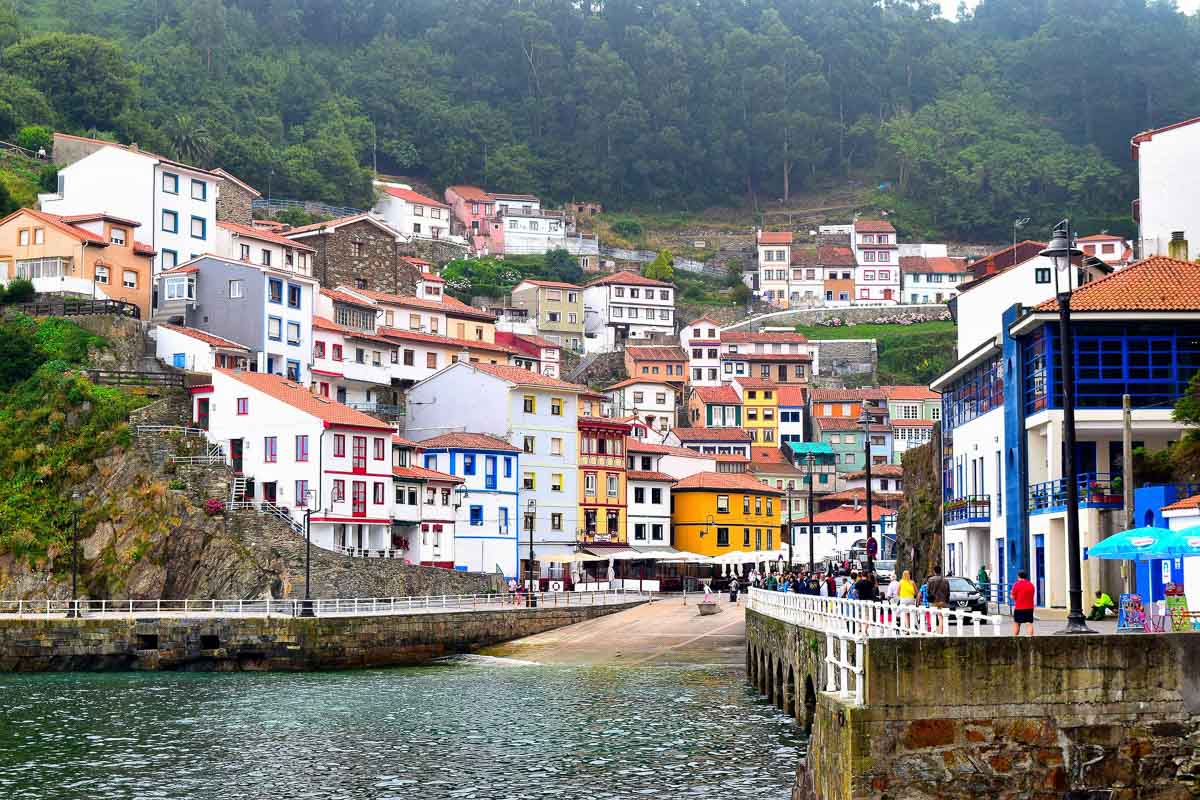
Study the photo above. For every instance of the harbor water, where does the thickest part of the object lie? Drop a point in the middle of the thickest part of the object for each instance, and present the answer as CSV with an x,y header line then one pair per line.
x,y
468,728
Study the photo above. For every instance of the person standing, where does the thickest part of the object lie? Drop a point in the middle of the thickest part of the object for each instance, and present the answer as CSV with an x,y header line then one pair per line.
x,y
733,590
872,549
1023,594
865,588
939,590
907,590
984,582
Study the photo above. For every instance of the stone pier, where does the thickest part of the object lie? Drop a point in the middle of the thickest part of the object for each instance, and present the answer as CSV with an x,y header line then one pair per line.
x,y
1103,717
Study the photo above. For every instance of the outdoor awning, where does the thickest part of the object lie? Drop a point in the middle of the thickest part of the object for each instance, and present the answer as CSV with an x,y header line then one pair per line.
x,y
615,554
569,558
669,555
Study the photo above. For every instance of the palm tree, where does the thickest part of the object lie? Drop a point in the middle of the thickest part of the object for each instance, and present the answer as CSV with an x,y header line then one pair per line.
x,y
189,138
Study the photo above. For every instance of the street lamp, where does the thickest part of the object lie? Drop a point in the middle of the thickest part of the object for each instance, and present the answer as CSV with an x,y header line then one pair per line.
x,y
76,497
865,421
306,608
812,461
1062,252
530,516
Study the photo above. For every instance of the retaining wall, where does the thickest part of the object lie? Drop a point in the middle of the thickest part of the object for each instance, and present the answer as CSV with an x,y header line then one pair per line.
x,y
247,643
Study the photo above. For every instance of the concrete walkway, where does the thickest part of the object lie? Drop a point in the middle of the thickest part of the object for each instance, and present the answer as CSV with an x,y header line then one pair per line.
x,y
667,631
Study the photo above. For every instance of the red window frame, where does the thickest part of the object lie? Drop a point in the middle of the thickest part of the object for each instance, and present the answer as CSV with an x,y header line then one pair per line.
x,y
358,456
243,406
270,449
318,349
358,499
339,491
302,447
379,450
324,389
337,352
339,445
301,494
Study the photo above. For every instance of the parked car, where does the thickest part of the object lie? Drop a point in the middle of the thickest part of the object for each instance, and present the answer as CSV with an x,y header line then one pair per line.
x,y
964,593
885,571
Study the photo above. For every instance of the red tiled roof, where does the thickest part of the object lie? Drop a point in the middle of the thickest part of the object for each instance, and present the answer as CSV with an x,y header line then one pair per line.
x,y
788,357
550,284
934,264
470,193
820,395
835,255
264,235
704,318
639,475
984,268
143,249
468,441
524,377
1146,136
860,493
74,218
747,382
791,395
909,392
1186,504
711,434
878,471
432,338
346,297
205,336
628,278
655,379
300,398
447,305
325,324
413,197
429,277
873,226
847,424
762,337
774,237
656,353
723,394
1101,237
730,481
848,514
60,223
1152,284
334,224
913,423
400,440
422,474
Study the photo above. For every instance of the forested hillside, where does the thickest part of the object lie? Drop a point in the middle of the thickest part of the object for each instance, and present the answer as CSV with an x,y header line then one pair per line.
x,y
1023,108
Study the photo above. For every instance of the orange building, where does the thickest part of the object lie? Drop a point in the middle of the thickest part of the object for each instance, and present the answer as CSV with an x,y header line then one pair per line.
x,y
89,255
660,362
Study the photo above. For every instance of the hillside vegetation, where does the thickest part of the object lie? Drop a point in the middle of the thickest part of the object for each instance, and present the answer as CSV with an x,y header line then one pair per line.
x,y
908,354
1019,108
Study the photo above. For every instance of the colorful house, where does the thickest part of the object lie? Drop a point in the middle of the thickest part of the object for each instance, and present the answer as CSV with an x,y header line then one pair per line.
x,y
717,513
760,405
715,407
602,480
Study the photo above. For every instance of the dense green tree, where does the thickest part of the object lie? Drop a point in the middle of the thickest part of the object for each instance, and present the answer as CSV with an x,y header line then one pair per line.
x,y
20,355
86,78
662,268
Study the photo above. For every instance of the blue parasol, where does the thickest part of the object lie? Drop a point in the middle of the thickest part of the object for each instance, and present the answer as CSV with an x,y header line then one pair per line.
x,y
1186,542
1141,544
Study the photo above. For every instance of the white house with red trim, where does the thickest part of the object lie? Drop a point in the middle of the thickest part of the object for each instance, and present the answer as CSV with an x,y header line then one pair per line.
x,y
196,350
1111,249
774,266
298,452
352,363
426,507
623,306
412,213
263,247
877,275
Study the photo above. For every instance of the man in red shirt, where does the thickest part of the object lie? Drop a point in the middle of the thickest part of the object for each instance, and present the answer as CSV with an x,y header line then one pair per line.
x,y
1023,594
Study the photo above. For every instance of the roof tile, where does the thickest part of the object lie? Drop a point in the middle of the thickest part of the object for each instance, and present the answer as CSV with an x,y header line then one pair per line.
x,y
300,398
1152,284
628,278
730,481
468,441
711,434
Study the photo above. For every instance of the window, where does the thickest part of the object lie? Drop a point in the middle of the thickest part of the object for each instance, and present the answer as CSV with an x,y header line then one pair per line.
x,y
639,494
270,449
638,398
589,483
293,294
556,407
356,249
556,446
613,484
243,406
722,504
199,227
170,221
431,360
339,445
129,279
101,274
339,491
274,329
170,183
23,237
639,531
302,448
722,537
527,444
528,481
556,522
293,333
1041,275
477,515
274,290
378,493
656,496
884,275
529,405
745,537
337,352
556,482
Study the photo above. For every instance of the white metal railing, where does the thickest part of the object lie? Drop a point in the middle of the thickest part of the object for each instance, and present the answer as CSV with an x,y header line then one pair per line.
x,y
848,624
213,455
322,607
367,552
171,429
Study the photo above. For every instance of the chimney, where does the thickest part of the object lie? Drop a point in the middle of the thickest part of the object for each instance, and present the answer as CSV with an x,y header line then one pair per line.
x,y
1178,248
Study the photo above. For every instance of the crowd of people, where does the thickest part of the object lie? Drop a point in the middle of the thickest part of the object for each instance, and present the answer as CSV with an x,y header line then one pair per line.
x,y
845,582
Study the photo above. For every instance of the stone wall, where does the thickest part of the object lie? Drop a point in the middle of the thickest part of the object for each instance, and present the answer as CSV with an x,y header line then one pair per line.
x,y
234,204
377,266
919,520
126,343
435,251
845,358
855,314
784,662
68,150
243,643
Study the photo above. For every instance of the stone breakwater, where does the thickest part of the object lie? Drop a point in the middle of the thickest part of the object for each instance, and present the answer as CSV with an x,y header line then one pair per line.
x,y
264,644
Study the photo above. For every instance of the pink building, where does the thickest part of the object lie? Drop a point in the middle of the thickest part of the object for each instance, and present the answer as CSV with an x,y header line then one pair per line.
x,y
475,211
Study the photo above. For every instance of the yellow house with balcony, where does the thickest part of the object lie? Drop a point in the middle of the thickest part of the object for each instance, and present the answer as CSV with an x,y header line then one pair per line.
x,y
602,502
760,412
714,513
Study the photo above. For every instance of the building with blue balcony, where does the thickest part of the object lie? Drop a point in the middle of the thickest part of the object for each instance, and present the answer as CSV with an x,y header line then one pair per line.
x,y
1004,490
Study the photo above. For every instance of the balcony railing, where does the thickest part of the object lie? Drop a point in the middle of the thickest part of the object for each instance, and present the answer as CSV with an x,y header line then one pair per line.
x,y
1096,490
384,411
973,509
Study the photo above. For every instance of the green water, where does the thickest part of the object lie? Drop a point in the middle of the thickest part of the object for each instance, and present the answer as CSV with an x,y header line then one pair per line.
x,y
476,728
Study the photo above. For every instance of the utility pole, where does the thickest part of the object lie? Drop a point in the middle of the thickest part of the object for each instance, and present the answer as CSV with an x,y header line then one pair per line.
x,y
811,463
1127,477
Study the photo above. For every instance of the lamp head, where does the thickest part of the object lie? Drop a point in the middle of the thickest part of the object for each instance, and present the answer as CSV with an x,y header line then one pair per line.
x,y
1061,249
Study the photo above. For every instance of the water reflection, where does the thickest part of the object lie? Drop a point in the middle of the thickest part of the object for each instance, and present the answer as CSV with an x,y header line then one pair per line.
x,y
475,729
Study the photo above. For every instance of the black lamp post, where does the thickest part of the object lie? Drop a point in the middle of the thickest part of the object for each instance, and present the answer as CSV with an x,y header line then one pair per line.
x,y
1062,251
812,460
865,421
530,517
73,611
306,608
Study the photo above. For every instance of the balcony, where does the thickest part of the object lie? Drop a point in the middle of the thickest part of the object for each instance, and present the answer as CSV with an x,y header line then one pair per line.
x,y
383,411
1096,490
974,509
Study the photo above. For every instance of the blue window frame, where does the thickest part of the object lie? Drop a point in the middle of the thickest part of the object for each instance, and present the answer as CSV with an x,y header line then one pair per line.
x,y
294,295
430,461
170,221
507,467
504,519
293,370
199,228
476,515
468,463
274,290
275,329
974,394
170,183
293,333
199,190
168,258
489,472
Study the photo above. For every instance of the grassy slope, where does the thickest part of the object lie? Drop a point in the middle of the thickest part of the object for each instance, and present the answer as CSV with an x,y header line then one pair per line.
x,y
21,177
908,354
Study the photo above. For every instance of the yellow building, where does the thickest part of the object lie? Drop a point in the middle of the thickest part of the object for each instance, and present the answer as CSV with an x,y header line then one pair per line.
x,y
760,412
602,503
714,513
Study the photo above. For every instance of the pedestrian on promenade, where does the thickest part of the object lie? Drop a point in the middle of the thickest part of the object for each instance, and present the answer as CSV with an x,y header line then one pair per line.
x,y
1023,594
772,583
865,588
938,589
852,586
907,591
872,551
893,591
733,590
1101,607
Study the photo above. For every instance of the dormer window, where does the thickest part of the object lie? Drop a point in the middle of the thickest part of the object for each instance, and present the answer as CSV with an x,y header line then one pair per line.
x,y
117,236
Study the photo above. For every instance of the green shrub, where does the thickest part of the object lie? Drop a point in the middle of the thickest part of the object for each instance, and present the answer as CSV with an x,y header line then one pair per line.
x,y
32,137
178,485
20,290
628,228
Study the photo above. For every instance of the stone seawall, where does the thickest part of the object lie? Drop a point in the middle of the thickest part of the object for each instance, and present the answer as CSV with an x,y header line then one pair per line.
x,y
281,644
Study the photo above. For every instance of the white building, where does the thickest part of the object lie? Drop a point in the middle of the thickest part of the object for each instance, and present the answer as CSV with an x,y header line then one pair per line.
x,y
412,213
877,276
425,512
652,401
534,413
175,204
1168,203
931,279
701,340
263,247
352,363
528,228
648,500
197,351
298,452
626,306
1112,250
774,266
